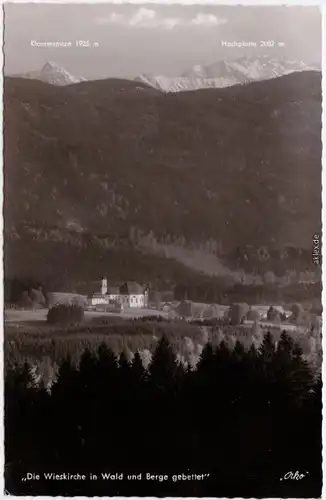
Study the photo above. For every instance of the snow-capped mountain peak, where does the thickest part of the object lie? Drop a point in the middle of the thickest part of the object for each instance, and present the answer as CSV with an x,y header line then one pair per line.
x,y
227,73
54,74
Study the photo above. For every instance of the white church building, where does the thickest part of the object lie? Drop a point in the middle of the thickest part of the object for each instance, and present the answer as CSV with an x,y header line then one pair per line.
x,y
130,294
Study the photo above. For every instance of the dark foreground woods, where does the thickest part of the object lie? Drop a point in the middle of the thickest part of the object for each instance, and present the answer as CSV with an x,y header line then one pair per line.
x,y
246,419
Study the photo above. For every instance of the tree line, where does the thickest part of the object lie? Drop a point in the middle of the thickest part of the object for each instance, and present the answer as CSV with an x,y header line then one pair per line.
x,y
25,293
246,418
221,291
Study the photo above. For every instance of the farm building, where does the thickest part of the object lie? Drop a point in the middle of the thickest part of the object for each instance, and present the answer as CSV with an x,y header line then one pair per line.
x,y
185,309
111,306
129,294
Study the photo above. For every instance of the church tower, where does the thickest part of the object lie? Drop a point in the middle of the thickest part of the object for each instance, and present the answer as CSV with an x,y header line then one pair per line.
x,y
104,286
146,294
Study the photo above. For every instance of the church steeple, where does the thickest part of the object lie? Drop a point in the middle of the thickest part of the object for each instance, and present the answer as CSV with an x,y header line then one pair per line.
x,y
104,286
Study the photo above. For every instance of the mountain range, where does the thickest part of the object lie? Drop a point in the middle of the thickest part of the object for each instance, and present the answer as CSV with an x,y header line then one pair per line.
x,y
216,75
226,73
114,177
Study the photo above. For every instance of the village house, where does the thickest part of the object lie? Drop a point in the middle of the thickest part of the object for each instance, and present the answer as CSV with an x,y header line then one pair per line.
x,y
129,294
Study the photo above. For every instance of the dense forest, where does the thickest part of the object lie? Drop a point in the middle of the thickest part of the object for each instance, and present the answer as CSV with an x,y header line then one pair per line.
x,y
244,419
126,158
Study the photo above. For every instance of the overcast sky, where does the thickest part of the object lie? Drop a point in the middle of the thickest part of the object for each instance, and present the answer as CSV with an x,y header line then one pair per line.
x,y
157,39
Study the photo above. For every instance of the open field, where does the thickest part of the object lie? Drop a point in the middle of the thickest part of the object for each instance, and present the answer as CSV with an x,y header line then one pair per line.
x,y
266,325
39,315
25,318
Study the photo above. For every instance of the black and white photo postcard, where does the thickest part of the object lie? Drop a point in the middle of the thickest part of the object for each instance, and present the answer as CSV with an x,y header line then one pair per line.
x,y
162,179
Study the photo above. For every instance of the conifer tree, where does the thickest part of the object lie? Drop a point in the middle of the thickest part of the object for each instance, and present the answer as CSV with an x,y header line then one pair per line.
x,y
205,382
301,377
283,358
88,370
163,383
66,394
106,362
206,363
267,349
222,351
238,351
124,363
222,361
103,412
124,378
140,406
19,378
163,366
285,345
252,353
22,433
251,375
266,368
137,368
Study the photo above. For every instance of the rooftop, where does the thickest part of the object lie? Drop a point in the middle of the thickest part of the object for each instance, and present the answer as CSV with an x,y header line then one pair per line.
x,y
131,287
127,288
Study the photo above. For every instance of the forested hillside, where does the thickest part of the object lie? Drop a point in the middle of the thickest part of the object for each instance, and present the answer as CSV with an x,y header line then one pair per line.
x,y
113,161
